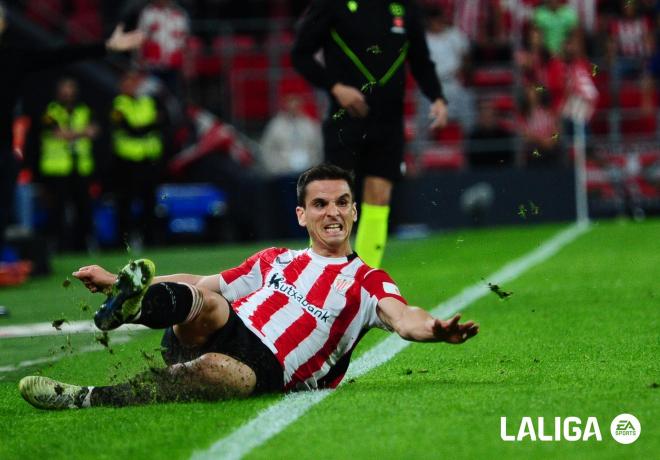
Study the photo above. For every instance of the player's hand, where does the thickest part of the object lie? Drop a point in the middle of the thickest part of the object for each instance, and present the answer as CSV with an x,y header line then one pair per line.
x,y
351,99
438,114
95,278
124,41
452,332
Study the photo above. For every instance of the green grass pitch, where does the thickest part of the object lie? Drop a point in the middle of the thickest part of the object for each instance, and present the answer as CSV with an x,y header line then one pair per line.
x,y
580,337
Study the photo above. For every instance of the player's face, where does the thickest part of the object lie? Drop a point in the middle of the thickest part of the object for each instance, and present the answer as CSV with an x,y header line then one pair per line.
x,y
329,214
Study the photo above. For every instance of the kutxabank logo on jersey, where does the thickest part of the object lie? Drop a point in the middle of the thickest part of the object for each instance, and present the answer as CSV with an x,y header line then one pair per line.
x,y
278,283
625,429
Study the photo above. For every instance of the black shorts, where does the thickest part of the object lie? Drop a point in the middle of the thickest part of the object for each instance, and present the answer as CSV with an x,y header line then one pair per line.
x,y
234,340
366,146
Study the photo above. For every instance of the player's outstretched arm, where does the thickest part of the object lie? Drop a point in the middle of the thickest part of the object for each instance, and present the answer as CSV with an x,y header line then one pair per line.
x,y
416,324
98,279
124,41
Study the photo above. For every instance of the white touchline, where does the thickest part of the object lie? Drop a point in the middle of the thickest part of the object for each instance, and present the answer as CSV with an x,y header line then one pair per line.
x,y
37,329
280,415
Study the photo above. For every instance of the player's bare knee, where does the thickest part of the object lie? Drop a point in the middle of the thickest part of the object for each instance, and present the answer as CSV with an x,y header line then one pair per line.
x,y
227,375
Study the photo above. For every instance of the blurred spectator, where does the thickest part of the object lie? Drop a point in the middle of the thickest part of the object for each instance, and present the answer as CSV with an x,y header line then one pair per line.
x,y
533,58
572,87
483,22
138,147
630,42
66,165
17,62
654,61
539,129
166,28
489,145
292,140
449,49
556,20
587,11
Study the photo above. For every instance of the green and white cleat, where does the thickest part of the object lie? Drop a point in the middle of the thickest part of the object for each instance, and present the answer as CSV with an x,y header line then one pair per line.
x,y
125,300
45,393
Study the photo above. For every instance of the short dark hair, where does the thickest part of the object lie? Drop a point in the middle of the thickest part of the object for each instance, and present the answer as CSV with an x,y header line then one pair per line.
x,y
323,171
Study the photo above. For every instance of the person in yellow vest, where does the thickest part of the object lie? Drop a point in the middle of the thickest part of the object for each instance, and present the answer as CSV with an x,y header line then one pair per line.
x,y
137,143
66,166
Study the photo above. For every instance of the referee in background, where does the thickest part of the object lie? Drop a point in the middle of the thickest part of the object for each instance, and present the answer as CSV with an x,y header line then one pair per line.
x,y
365,45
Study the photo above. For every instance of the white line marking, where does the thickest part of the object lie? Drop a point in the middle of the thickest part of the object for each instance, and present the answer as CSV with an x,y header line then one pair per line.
x,y
276,418
52,359
74,327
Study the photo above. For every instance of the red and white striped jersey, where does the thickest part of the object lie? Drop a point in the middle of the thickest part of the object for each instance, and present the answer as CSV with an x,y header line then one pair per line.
x,y
630,36
309,310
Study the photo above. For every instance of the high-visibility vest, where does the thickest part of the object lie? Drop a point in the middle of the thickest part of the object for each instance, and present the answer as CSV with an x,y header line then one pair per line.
x,y
59,156
137,113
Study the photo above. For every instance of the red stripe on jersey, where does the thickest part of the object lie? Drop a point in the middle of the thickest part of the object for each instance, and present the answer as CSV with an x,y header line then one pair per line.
x,y
337,331
267,309
297,331
278,300
236,305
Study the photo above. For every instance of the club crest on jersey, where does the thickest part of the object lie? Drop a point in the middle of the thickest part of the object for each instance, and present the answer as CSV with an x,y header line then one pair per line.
x,y
341,284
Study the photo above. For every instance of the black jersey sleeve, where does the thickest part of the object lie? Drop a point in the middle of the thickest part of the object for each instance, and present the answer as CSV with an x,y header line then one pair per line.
x,y
421,65
312,32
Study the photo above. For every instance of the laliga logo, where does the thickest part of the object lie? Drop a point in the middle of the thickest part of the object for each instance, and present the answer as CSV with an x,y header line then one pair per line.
x,y
570,428
625,429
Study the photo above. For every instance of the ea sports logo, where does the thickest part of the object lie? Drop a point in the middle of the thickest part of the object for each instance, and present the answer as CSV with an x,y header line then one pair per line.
x,y
625,428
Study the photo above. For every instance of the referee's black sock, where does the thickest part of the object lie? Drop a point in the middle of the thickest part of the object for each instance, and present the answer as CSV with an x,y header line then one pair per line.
x,y
167,304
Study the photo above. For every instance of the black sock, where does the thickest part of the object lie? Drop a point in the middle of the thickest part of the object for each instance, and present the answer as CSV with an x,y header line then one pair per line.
x,y
153,386
167,304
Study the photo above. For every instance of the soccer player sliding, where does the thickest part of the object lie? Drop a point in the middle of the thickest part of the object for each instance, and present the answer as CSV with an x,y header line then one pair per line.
x,y
284,320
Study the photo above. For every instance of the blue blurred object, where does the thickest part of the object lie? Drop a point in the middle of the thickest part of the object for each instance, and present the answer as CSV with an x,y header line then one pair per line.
x,y
105,224
188,207
8,254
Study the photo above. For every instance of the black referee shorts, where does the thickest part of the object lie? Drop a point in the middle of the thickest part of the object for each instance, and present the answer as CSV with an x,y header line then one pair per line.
x,y
234,340
367,146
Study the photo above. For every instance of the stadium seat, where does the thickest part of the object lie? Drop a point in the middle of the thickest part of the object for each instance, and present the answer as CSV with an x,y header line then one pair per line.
x,y
205,62
248,83
492,76
45,13
638,125
450,134
294,84
599,181
443,158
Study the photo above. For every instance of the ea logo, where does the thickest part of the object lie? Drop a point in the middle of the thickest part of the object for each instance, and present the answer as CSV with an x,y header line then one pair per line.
x,y
625,428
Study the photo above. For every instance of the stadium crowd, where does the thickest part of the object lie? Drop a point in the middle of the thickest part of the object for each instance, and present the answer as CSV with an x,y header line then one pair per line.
x,y
192,104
